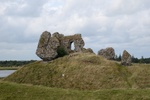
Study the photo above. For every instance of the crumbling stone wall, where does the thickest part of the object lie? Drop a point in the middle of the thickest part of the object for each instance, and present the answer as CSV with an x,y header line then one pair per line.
x,y
67,41
48,45
108,53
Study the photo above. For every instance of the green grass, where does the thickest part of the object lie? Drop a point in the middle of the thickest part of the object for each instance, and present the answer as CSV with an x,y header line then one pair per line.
x,y
79,76
13,91
9,68
83,72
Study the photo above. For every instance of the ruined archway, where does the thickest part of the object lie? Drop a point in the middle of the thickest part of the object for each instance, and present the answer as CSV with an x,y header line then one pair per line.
x,y
52,46
72,46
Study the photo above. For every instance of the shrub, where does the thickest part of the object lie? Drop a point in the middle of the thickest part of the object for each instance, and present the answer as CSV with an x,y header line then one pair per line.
x,y
61,52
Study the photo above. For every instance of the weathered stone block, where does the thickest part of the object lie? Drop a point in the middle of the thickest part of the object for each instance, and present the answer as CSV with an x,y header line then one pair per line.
x,y
48,45
108,53
126,59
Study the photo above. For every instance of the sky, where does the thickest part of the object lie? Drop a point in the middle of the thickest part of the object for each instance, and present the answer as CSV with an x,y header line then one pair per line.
x,y
121,24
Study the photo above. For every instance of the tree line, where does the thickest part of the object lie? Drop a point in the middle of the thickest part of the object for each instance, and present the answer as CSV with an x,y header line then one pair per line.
x,y
134,59
21,63
14,63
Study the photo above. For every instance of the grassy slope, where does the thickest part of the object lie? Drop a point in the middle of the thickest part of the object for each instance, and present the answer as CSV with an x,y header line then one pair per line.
x,y
84,72
81,71
9,68
140,77
13,91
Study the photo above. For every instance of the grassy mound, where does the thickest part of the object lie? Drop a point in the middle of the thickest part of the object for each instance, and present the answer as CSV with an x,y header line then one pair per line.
x,y
83,71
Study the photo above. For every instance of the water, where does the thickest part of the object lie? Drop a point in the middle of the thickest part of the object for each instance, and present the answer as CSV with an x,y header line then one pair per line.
x,y
5,73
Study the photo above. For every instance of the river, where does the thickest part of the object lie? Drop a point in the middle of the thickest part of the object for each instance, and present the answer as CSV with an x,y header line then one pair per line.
x,y
5,73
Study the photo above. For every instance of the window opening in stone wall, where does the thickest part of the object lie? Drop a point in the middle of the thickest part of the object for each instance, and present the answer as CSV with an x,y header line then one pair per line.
x,y
72,46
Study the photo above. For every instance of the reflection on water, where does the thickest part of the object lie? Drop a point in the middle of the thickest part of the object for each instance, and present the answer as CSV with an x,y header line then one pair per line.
x,y
5,73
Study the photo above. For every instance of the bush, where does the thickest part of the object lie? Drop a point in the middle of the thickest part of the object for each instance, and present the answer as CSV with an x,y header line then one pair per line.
x,y
61,52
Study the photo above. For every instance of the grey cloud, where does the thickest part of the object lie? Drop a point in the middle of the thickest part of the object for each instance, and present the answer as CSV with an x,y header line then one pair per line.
x,y
18,51
15,34
25,8
107,23
126,7
122,24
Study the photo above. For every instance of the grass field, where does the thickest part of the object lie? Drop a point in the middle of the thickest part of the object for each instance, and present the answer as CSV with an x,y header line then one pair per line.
x,y
83,72
77,77
9,68
13,91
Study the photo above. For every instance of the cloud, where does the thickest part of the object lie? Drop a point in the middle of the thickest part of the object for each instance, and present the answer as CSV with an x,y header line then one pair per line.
x,y
126,7
18,51
24,8
122,24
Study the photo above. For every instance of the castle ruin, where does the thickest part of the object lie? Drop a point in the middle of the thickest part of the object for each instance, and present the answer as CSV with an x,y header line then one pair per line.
x,y
49,44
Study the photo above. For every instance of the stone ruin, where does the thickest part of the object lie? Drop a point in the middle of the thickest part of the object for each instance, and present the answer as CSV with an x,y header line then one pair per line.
x,y
126,59
49,45
108,53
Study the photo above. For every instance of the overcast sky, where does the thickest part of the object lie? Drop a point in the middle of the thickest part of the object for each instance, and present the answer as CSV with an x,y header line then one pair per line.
x,y
121,24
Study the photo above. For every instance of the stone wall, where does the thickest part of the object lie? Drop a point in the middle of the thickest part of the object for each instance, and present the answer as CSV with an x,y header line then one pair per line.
x,y
108,53
126,59
49,44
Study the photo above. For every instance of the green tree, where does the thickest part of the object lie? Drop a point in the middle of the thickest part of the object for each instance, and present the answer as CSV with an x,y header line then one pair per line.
x,y
142,60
